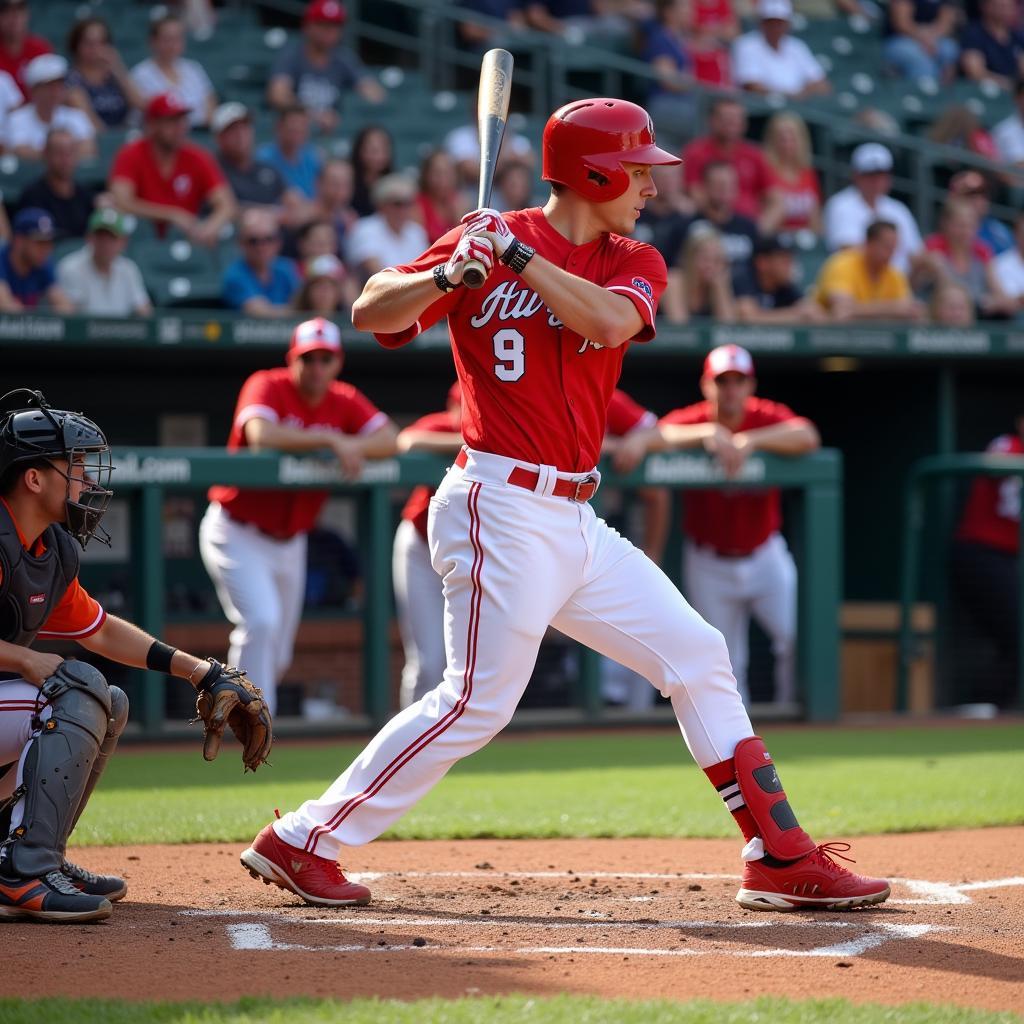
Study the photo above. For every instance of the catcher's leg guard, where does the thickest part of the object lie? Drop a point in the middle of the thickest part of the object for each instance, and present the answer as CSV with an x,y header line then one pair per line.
x,y
762,793
115,726
56,770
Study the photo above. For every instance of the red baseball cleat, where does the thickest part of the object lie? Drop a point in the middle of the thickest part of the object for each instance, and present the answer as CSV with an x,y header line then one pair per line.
x,y
813,882
317,880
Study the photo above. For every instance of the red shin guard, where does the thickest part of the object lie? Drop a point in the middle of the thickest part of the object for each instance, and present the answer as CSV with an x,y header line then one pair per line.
x,y
765,800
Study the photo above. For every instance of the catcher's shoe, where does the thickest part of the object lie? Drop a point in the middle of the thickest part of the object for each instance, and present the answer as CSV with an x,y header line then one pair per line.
x,y
109,886
51,898
317,880
813,882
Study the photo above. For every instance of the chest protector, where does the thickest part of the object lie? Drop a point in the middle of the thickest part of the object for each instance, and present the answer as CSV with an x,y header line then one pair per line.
x,y
32,587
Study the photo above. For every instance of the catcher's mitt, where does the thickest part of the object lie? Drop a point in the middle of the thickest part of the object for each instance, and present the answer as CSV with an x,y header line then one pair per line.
x,y
227,697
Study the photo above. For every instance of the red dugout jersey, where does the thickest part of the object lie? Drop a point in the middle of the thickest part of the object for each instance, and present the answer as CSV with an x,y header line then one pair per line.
x,y
271,395
533,389
992,513
77,614
733,522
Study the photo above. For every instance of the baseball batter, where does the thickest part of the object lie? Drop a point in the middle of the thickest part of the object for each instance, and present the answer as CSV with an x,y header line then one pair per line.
x,y
253,543
59,719
538,350
736,563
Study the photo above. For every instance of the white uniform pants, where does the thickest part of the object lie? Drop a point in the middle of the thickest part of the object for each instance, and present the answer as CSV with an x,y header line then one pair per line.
x,y
260,584
21,714
514,562
728,591
419,604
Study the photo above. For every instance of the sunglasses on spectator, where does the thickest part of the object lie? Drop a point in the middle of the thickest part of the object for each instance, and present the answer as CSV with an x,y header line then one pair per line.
x,y
259,240
323,358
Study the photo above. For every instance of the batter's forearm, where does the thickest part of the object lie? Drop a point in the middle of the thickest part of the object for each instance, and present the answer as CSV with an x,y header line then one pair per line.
x,y
391,302
601,316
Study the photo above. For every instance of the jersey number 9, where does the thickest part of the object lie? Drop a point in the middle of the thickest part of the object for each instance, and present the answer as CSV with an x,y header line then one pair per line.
x,y
510,351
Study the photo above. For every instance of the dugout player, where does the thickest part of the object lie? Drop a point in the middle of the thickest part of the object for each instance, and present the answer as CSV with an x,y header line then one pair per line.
x,y
253,542
59,719
985,574
736,563
538,350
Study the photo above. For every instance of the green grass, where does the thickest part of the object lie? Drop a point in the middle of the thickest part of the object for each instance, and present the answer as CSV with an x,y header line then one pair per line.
x,y
494,1010
840,782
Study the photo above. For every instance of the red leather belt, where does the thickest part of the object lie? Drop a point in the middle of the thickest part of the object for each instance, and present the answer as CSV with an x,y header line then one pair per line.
x,y
574,490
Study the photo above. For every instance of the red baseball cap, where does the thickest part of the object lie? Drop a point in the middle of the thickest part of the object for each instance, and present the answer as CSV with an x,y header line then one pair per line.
x,y
728,359
316,335
326,10
166,104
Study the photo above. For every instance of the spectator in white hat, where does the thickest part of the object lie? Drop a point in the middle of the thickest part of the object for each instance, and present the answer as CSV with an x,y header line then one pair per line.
x,y
28,126
254,182
849,212
770,60
390,236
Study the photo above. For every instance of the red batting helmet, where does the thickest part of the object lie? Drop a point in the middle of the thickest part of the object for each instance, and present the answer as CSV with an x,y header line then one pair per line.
x,y
586,141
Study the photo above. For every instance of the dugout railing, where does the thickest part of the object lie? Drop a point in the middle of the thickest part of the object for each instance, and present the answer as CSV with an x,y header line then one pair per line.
x,y
926,475
146,475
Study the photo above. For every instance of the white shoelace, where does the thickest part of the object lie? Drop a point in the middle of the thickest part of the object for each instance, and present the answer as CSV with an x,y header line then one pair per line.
x,y
57,880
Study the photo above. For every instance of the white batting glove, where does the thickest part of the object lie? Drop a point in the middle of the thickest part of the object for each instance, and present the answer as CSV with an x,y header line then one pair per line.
x,y
490,224
469,247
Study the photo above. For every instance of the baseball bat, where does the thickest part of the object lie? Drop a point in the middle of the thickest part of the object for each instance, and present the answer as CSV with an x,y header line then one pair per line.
x,y
491,115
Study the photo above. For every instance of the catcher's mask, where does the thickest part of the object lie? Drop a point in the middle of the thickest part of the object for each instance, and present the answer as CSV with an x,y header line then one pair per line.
x,y
31,431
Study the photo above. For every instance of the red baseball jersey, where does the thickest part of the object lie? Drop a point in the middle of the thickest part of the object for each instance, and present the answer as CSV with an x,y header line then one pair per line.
x,y
992,513
77,614
533,389
271,395
733,522
193,177
418,505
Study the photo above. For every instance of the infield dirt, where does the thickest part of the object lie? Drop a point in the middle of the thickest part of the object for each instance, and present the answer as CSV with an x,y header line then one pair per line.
x,y
630,918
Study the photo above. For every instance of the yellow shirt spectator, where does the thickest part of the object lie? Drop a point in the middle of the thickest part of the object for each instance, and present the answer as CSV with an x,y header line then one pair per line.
x,y
846,273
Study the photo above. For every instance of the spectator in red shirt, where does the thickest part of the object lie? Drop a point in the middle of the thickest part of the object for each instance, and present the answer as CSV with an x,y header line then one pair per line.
x,y
984,563
726,143
165,178
17,45
439,202
959,255
787,147
737,563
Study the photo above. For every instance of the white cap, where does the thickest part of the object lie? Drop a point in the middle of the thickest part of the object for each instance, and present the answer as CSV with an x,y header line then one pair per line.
x,y
780,9
228,114
316,335
48,67
728,359
325,265
870,158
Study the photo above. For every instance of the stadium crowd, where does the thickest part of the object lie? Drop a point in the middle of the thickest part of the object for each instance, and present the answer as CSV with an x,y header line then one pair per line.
x,y
298,228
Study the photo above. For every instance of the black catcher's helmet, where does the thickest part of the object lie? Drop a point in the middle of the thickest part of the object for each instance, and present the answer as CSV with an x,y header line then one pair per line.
x,y
31,431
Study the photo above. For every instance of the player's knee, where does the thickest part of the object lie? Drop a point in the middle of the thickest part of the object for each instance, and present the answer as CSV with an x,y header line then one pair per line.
x,y
118,711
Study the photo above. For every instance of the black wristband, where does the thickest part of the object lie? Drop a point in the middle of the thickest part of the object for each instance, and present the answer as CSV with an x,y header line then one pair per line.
x,y
159,656
441,280
210,676
517,255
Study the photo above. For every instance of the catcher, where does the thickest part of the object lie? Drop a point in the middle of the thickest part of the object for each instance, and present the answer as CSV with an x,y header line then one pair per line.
x,y
59,719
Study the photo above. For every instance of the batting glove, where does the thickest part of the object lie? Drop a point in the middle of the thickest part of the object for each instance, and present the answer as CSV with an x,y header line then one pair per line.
x,y
469,247
490,224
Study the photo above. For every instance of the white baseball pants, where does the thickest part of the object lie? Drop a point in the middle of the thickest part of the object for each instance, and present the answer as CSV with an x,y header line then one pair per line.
x,y
727,591
419,605
21,713
260,583
514,562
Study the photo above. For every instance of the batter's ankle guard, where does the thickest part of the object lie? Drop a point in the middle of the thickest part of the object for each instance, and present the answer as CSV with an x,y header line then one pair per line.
x,y
57,769
762,792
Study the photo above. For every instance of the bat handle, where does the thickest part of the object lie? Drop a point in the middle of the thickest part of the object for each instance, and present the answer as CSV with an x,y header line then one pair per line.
x,y
473,274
